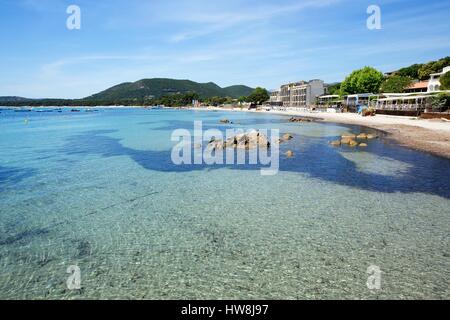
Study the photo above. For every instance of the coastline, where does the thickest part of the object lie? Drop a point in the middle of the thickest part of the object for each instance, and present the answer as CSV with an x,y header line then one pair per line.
x,y
431,136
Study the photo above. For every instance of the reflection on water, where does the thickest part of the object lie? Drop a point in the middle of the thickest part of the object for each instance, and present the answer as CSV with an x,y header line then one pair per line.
x,y
99,190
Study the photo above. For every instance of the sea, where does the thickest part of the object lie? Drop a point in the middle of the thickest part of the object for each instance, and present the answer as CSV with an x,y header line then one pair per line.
x,y
92,206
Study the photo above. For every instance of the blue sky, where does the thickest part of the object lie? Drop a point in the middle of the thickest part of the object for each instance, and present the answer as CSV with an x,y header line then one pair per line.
x,y
254,42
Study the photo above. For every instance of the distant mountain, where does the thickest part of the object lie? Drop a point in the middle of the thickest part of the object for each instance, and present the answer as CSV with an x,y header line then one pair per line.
x,y
237,91
158,87
13,99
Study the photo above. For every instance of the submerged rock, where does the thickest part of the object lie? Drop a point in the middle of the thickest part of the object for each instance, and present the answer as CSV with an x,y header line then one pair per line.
x,y
346,140
289,153
256,138
362,136
225,121
335,143
363,144
294,119
216,145
353,143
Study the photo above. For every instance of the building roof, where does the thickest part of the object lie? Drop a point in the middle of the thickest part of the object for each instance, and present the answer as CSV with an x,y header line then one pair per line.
x,y
409,96
404,98
418,85
329,96
360,95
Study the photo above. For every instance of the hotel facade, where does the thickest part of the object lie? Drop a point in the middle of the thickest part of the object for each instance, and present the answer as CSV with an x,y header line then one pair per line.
x,y
434,84
300,94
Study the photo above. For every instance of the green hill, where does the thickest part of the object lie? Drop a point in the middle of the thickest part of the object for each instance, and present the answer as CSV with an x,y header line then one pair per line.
x,y
13,99
237,91
158,87
422,71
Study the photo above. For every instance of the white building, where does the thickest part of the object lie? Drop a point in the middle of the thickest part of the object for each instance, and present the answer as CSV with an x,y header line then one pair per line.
x,y
275,98
434,84
300,94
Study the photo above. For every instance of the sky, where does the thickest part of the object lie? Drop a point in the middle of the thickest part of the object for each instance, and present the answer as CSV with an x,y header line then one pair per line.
x,y
254,42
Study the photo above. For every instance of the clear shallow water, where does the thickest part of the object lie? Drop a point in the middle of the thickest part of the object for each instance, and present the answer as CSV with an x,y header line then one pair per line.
x,y
98,190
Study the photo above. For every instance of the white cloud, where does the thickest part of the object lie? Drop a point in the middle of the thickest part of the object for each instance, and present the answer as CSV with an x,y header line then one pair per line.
x,y
206,22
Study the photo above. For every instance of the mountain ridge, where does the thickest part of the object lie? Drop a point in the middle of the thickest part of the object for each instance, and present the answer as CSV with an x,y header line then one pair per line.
x,y
158,87
13,98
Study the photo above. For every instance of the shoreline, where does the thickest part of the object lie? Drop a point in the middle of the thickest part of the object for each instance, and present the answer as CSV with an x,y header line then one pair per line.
x,y
430,136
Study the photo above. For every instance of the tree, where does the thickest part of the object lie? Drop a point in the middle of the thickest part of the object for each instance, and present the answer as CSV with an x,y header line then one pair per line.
x,y
365,80
258,96
411,71
395,84
445,81
426,70
433,67
216,101
440,102
334,88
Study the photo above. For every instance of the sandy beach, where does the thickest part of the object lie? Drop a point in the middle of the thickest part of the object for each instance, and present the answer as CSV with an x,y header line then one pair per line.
x,y
432,136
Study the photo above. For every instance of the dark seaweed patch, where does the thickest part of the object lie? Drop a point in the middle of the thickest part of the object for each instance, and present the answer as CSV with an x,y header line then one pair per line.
x,y
23,236
426,173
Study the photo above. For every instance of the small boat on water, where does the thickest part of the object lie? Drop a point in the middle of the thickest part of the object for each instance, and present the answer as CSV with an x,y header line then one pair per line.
x,y
75,110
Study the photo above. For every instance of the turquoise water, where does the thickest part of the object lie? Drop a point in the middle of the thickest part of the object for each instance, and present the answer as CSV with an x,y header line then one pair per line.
x,y
98,190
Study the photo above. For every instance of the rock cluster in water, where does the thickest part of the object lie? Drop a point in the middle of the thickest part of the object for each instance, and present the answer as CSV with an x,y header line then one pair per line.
x,y
248,140
294,119
352,140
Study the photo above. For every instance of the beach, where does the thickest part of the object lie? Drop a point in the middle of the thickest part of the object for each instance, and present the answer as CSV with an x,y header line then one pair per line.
x,y
426,135
432,136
